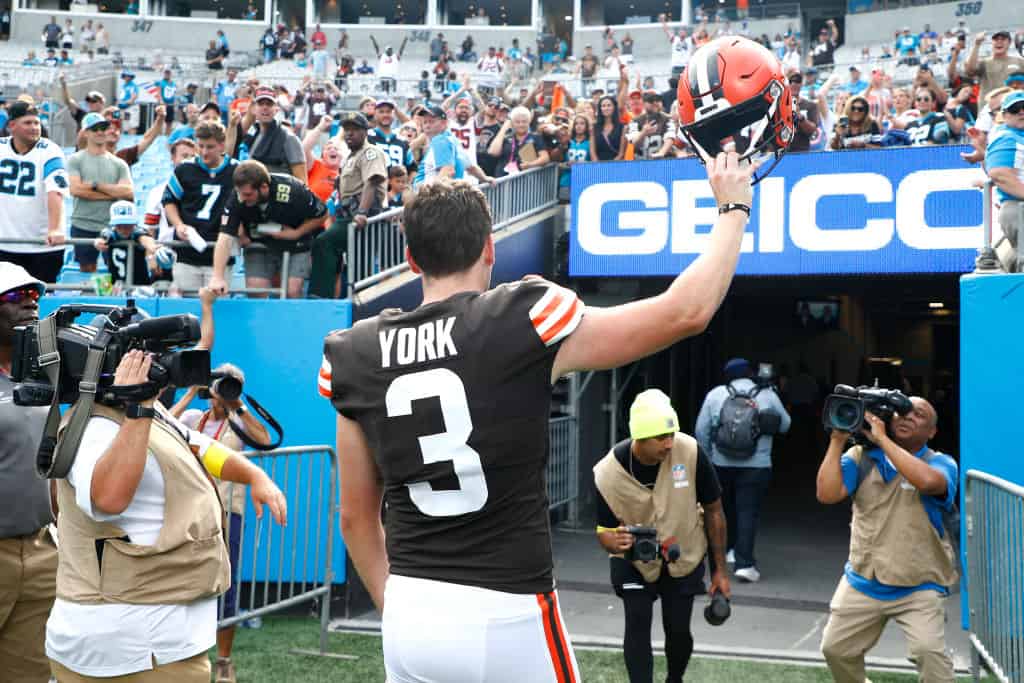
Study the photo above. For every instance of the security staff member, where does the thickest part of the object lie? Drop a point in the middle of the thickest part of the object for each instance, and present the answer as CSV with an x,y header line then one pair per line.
x,y
276,210
142,556
362,191
901,562
660,478
28,557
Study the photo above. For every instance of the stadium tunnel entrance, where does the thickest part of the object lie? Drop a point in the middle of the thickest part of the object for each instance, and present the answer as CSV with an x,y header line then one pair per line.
x,y
815,332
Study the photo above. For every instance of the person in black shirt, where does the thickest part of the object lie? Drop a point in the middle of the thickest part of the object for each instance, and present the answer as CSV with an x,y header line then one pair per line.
x,y
805,115
660,478
277,211
194,202
516,146
609,141
824,50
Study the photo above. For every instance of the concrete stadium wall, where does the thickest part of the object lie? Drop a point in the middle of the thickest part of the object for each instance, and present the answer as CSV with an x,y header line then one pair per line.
x,y
877,27
649,40
169,34
419,50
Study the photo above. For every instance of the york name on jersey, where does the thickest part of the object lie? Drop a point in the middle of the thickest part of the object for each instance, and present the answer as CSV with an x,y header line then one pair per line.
x,y
454,399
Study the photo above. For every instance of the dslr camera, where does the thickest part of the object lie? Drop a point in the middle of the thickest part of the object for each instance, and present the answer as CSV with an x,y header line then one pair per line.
x,y
647,547
228,387
845,408
114,331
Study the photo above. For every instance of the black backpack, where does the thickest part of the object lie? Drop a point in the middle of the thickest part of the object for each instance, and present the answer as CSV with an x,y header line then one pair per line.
x,y
738,424
950,518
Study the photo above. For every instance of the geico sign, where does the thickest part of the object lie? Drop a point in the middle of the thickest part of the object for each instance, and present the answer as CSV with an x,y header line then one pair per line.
x,y
648,230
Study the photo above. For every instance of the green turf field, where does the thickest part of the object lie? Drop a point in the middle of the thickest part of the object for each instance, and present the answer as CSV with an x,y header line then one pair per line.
x,y
263,656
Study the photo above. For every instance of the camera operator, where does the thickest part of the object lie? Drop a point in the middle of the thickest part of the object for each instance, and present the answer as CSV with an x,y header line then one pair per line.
x,y
901,560
660,478
142,557
28,558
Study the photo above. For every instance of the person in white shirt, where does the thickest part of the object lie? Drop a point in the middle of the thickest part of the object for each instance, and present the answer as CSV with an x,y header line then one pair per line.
x,y
387,65
682,46
126,461
155,219
491,79
32,198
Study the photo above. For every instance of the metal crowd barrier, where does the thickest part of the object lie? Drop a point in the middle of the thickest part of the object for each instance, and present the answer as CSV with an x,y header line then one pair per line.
x,y
995,575
129,280
563,462
280,567
377,252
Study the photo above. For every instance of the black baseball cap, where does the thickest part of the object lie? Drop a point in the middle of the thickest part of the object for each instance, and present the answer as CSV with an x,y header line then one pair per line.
x,y
1002,33
651,96
21,108
354,118
435,111
210,105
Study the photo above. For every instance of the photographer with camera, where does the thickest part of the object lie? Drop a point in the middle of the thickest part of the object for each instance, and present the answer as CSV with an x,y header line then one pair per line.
x,y
902,559
661,479
142,556
28,558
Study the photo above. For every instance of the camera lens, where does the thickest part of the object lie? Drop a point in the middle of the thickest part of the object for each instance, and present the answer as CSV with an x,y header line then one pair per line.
x,y
843,414
227,387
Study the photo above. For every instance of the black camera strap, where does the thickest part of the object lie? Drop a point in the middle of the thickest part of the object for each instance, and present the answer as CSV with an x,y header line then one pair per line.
x,y
54,460
239,429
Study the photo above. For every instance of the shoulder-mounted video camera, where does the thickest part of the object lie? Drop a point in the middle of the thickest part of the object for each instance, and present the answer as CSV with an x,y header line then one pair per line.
x,y
59,361
647,548
845,408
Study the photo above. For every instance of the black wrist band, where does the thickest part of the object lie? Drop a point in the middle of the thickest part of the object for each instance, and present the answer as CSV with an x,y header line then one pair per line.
x,y
134,411
240,410
733,206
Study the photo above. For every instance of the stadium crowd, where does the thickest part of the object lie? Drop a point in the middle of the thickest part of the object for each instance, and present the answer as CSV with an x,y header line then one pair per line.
x,y
478,112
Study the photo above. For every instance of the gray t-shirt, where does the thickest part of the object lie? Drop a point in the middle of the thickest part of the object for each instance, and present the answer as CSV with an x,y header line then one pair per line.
x,y
24,497
93,215
292,151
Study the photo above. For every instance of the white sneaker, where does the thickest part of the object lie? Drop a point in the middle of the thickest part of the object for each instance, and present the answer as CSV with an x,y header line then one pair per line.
x,y
730,557
748,574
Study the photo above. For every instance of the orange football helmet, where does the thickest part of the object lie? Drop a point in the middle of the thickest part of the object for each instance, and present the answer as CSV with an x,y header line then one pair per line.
x,y
734,90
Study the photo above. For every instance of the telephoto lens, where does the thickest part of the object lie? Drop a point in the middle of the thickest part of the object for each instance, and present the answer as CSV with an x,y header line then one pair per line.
x,y
718,610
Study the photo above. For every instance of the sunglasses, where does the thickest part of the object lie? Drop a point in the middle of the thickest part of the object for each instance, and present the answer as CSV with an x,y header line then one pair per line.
x,y
561,119
100,127
1015,109
926,98
860,109
16,296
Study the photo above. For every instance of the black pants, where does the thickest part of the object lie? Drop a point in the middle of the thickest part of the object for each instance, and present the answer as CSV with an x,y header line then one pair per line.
x,y
743,489
43,265
676,610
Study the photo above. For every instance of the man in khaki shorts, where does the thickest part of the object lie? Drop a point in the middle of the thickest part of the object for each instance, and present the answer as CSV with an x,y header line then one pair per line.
x,y
901,563
277,211
28,558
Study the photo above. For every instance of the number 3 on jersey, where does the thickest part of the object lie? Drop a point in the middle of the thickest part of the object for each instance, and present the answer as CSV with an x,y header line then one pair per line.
x,y
449,445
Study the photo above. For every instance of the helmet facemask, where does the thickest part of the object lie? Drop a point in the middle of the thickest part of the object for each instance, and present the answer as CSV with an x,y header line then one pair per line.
x,y
753,129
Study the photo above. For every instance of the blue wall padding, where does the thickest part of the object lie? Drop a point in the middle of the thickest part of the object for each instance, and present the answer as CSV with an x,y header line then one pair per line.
x,y
991,376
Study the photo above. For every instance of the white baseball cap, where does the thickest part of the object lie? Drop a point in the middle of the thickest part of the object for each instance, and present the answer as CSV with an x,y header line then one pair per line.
x,y
13,276
122,212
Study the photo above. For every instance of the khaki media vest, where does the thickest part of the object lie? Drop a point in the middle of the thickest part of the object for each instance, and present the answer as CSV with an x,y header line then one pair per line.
x,y
891,538
189,561
671,507
232,495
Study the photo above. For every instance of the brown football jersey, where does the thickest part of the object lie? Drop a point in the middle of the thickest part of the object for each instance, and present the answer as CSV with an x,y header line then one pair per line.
x,y
454,399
